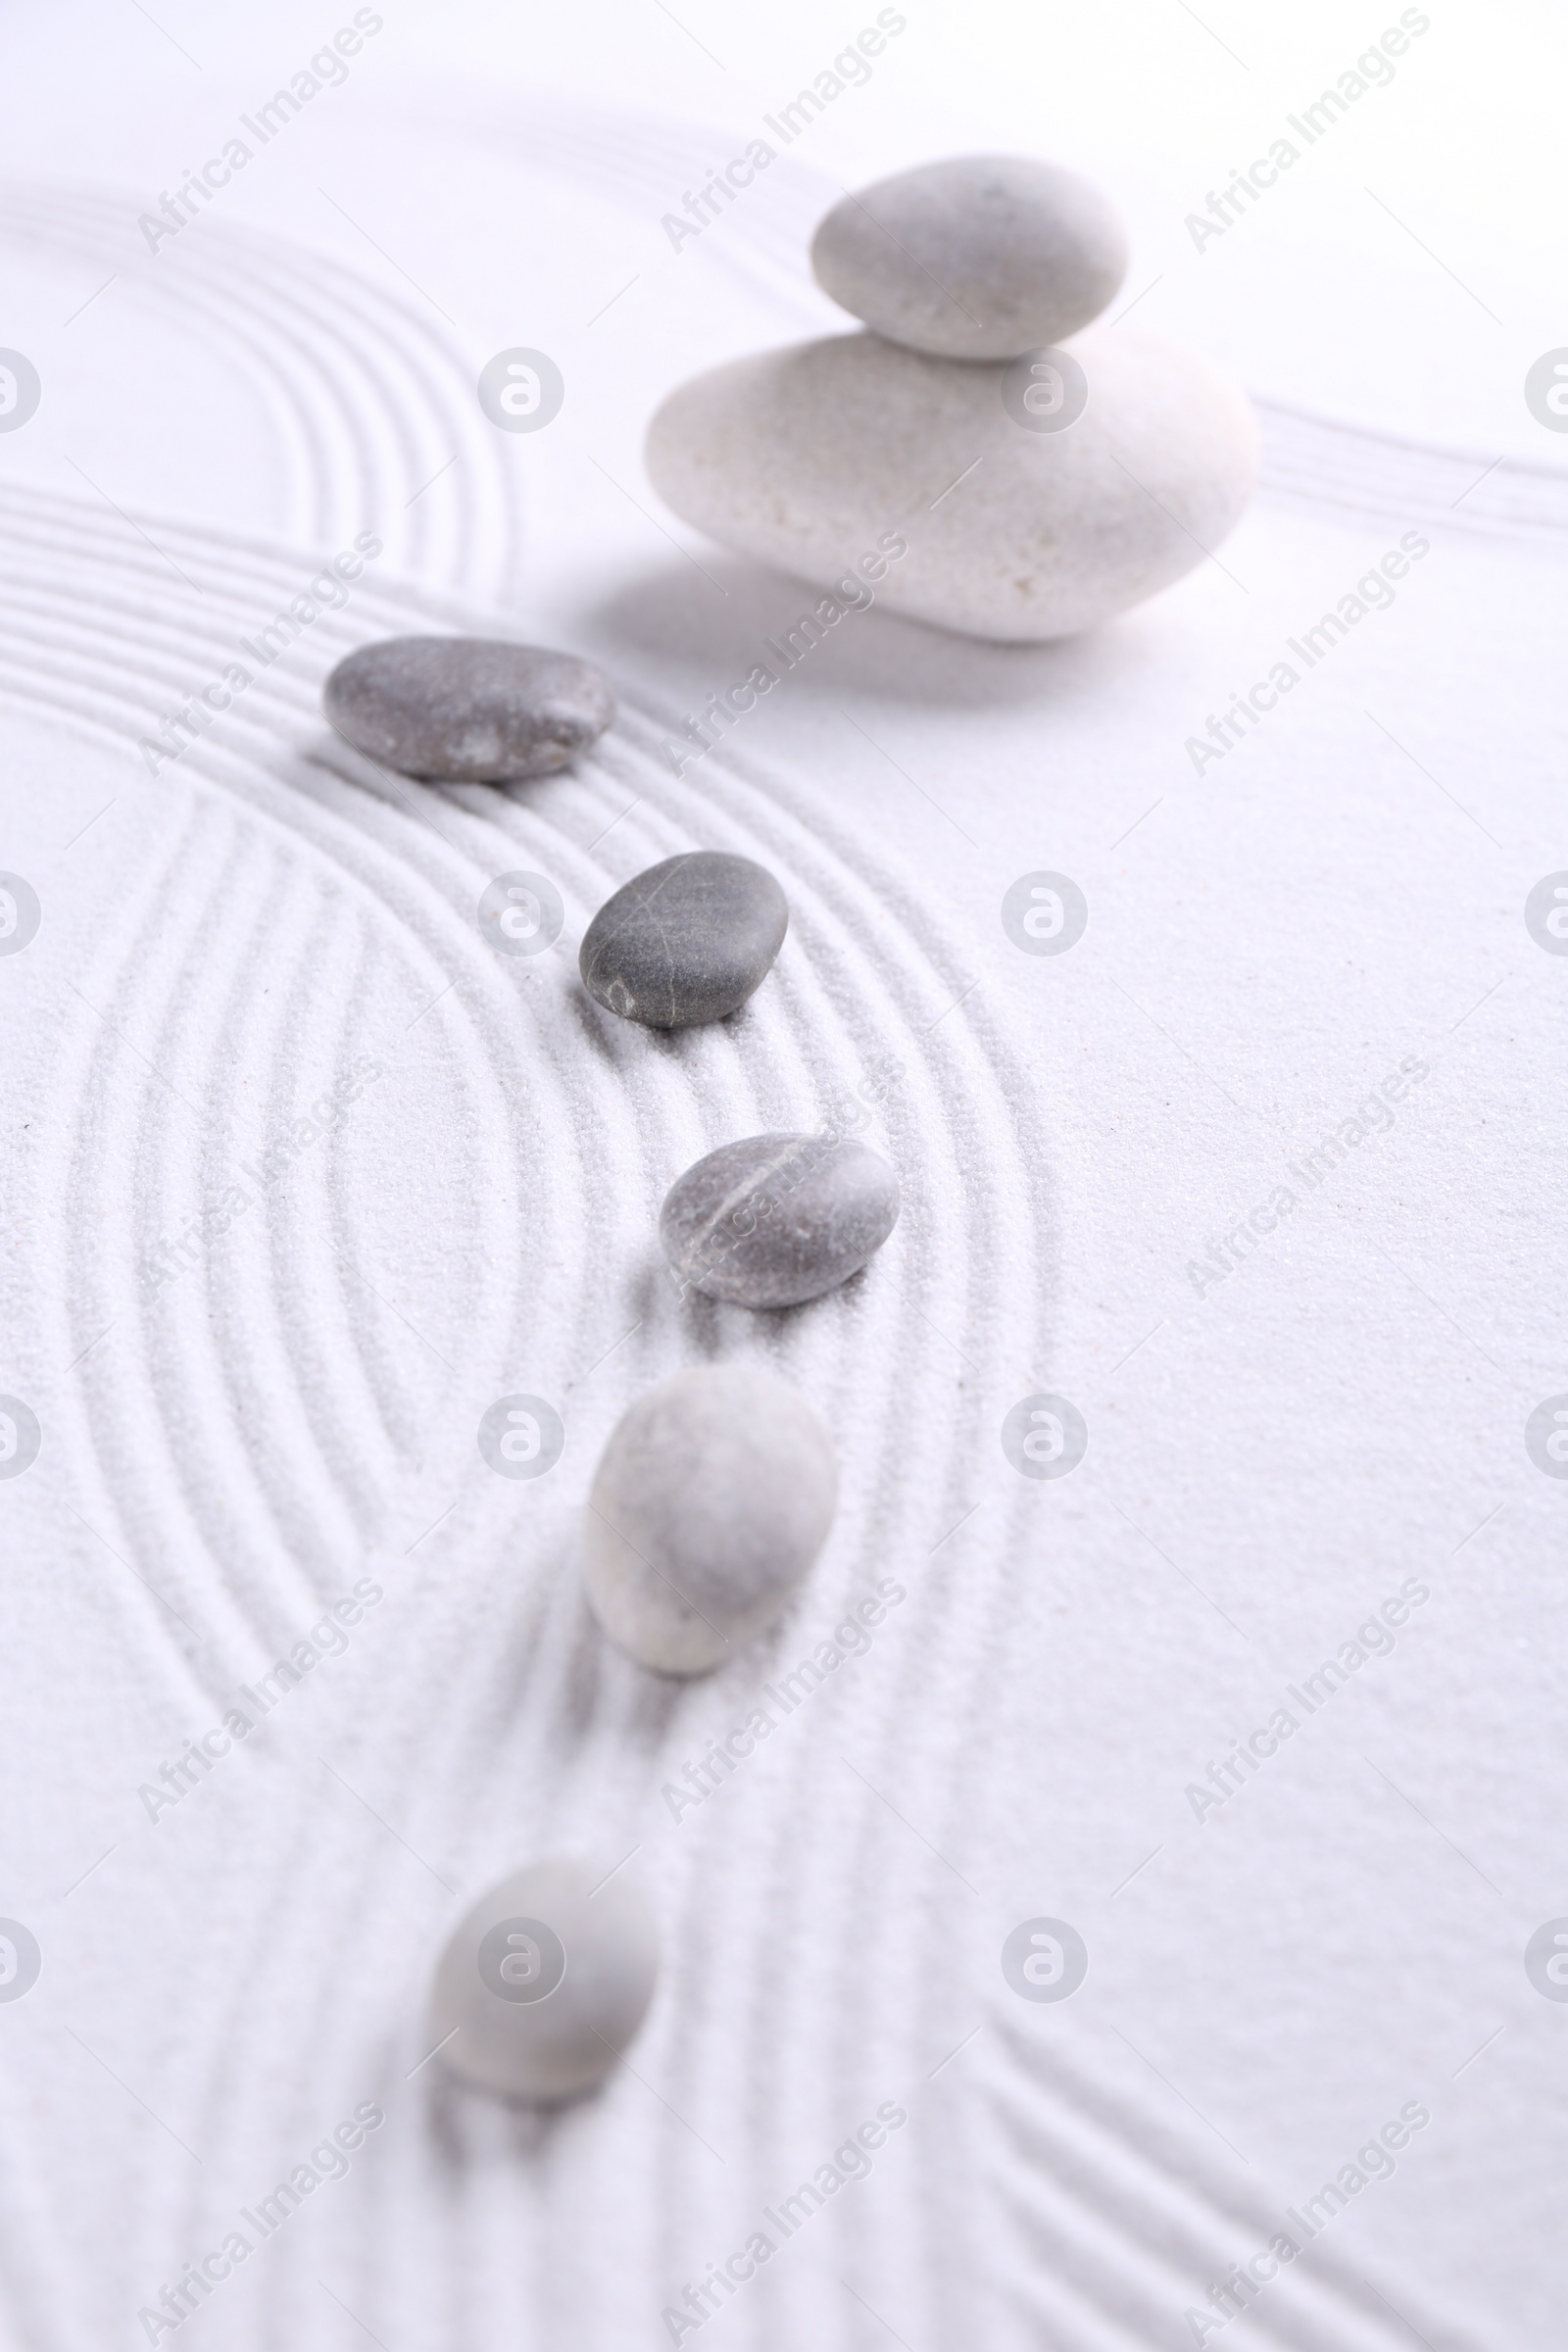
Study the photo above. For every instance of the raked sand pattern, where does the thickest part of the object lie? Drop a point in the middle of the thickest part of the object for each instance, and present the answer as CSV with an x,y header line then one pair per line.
x,y
240,1431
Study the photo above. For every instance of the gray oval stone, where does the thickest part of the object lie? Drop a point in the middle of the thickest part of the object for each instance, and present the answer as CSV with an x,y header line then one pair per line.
x,y
545,1980
711,1502
982,258
467,709
775,1219
686,942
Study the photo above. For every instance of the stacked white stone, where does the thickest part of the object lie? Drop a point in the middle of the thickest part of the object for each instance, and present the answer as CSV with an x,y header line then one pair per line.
x,y
1042,485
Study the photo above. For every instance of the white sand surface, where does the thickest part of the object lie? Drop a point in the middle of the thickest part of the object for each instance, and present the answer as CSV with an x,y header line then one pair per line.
x,y
1272,1452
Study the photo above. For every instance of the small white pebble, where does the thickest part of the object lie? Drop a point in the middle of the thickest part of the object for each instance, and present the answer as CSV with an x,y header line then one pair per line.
x,y
545,1981
711,1502
983,257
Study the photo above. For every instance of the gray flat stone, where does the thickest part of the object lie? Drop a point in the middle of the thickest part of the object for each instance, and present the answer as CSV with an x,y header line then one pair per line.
x,y
711,1502
467,709
540,1988
981,257
775,1219
686,942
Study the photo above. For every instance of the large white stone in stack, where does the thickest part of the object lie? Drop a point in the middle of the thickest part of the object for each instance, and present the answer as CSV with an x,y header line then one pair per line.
x,y
1034,488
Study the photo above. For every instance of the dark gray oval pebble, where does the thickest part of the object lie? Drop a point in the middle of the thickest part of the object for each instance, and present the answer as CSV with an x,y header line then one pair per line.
x,y
687,941
467,709
778,1218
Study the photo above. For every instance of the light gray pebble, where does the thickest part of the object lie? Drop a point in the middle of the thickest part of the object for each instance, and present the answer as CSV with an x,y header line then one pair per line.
x,y
711,1499
775,1219
686,942
981,257
467,709
545,1981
